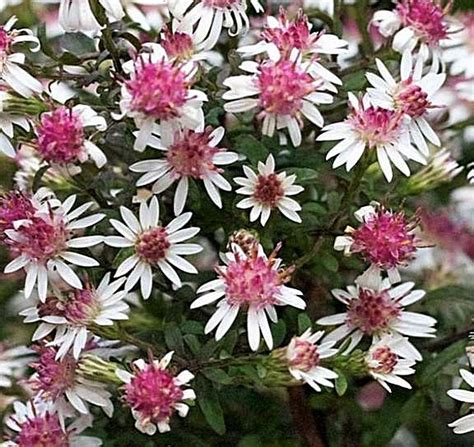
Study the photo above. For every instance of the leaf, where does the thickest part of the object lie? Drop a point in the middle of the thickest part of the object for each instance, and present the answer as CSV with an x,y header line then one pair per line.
x,y
174,338
330,262
355,82
303,175
252,148
77,44
38,176
341,384
217,375
208,401
279,332
193,343
304,322
192,327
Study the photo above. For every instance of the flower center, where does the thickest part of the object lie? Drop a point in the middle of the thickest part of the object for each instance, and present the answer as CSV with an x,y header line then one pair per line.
x,y
178,45
251,281
82,307
283,86
376,126
425,18
386,358
153,393
268,190
385,239
5,41
152,245
372,311
53,377
14,206
221,4
44,431
305,355
191,155
60,136
411,99
158,90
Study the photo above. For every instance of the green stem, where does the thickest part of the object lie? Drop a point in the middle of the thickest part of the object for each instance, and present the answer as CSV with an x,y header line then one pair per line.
x,y
362,12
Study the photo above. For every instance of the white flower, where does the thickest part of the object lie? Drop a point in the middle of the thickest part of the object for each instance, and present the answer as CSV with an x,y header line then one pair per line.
x,y
44,240
10,71
159,92
371,128
304,357
71,313
189,155
13,362
249,281
153,246
268,190
282,90
207,18
412,96
389,358
36,420
466,423
7,121
375,308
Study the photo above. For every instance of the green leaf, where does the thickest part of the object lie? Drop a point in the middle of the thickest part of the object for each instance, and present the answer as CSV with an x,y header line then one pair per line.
x,y
279,332
174,338
208,401
193,343
252,148
77,44
341,384
304,322
330,262
303,175
38,176
450,354
217,375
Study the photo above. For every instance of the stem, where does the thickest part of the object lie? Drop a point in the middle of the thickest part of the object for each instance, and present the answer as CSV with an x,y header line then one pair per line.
x,y
337,22
442,343
362,7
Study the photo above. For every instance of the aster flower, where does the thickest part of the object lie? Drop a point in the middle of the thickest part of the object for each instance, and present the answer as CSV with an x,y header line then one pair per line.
x,y
412,96
60,382
282,90
248,281
466,423
70,314
189,155
42,244
415,24
154,394
35,424
153,246
375,308
458,51
386,239
15,205
10,71
268,190
8,121
392,357
61,135
207,18
13,362
304,357
159,91
371,128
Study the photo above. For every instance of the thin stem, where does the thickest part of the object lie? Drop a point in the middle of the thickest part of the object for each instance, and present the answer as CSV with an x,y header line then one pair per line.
x,y
362,7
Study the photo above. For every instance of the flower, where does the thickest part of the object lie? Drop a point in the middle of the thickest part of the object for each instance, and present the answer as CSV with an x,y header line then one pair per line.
x,y
392,357
249,281
71,313
411,96
61,135
207,18
153,245
372,128
159,90
10,71
189,155
61,383
13,362
304,357
36,425
42,244
286,90
268,190
415,23
466,423
15,205
386,239
375,308
154,394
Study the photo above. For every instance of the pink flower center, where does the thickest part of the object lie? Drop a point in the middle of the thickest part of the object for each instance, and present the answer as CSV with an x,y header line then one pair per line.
x,y
53,377
385,239
81,307
376,126
221,4
178,45
411,99
191,155
152,245
387,360
425,17
305,355
60,136
268,190
372,311
282,87
158,90
251,282
42,431
153,393
14,206
5,40
40,238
